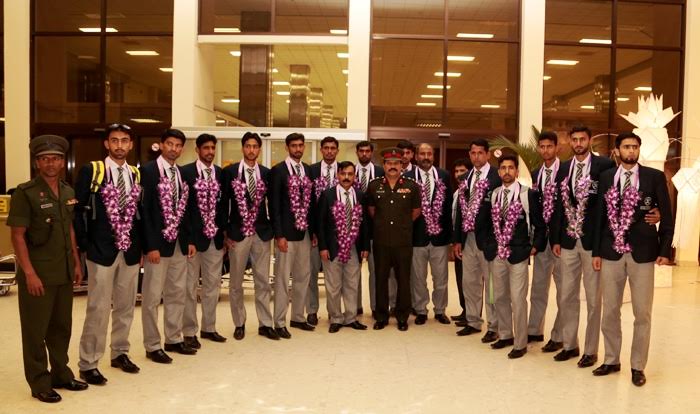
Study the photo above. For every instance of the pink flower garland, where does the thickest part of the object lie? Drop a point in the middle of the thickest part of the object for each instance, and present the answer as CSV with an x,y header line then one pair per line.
x,y
207,194
548,201
575,216
505,233
300,199
121,220
346,236
471,208
433,212
248,214
321,184
171,218
621,220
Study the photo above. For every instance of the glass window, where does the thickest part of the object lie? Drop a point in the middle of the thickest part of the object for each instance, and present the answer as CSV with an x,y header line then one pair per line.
x,y
188,152
586,21
494,19
311,16
235,16
279,152
67,16
421,17
649,24
139,16
346,152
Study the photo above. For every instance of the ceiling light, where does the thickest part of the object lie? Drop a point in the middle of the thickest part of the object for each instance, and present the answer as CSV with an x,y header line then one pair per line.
x,y
431,96
145,120
97,30
623,99
274,70
587,107
287,101
2,119
546,77
235,53
439,86
346,84
227,30
166,69
339,31
280,83
596,41
345,71
425,104
284,93
220,121
562,62
230,100
142,52
475,35
449,74
643,88
342,55
490,106
460,58
86,57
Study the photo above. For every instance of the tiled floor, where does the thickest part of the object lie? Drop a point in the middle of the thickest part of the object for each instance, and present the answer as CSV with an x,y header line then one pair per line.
x,y
427,369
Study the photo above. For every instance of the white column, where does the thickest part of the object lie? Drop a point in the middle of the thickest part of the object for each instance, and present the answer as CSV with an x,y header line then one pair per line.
x,y
358,64
17,102
531,67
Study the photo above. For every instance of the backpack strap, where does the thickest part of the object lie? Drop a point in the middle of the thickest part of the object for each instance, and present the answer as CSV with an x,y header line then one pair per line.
x,y
98,175
137,173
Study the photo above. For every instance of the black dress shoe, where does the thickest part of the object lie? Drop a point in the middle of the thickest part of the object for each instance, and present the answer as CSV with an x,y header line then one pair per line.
x,y
421,319
302,325
124,363
180,348
159,356
379,325
440,317
490,337
357,325
565,354
458,318
190,341
214,336
535,338
467,330
312,319
268,332
360,311
462,324
239,333
47,396
73,385
335,327
502,343
93,377
552,346
638,377
587,361
605,369
283,332
403,326
517,353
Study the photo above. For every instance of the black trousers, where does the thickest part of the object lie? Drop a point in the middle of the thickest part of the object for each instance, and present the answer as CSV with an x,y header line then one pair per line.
x,y
458,274
398,258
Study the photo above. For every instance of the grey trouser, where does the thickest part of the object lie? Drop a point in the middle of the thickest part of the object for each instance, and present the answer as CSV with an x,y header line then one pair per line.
x,y
110,288
614,275
295,263
510,289
259,252
436,256
546,267
475,279
207,264
312,300
341,282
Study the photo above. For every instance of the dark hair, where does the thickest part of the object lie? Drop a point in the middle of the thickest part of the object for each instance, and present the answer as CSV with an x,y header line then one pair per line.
x,y
548,135
405,144
581,128
294,136
174,133
251,135
480,142
509,157
460,161
204,138
363,144
118,127
626,135
345,164
326,140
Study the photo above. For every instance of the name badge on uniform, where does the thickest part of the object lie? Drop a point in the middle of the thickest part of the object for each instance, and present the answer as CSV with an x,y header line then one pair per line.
x,y
47,205
647,204
594,187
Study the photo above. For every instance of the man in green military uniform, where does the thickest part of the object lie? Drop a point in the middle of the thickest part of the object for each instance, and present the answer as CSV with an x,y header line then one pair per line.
x,y
394,202
41,217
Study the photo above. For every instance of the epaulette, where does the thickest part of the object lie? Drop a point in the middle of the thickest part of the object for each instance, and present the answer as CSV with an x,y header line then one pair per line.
x,y
29,184
376,178
408,178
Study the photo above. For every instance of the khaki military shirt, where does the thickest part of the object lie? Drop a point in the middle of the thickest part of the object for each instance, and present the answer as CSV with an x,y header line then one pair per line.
x,y
48,221
393,225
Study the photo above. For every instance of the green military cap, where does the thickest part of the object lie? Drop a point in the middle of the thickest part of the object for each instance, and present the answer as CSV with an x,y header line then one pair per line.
x,y
48,144
392,153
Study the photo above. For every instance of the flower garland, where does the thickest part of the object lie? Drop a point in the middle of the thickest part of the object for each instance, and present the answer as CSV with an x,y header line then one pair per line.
x,y
300,199
471,208
346,235
121,220
433,212
575,216
171,218
249,213
620,220
321,184
207,195
505,233
548,201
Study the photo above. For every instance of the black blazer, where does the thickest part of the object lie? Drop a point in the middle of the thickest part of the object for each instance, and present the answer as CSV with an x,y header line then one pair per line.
x,y
420,232
328,232
315,173
201,242
378,172
535,174
153,217
647,242
263,228
558,223
483,227
280,206
95,235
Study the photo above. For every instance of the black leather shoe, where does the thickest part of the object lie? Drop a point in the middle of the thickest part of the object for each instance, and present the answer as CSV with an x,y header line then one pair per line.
x,y
467,330
73,385
604,370
214,336
180,348
552,346
638,377
47,396
312,319
357,325
517,353
489,337
403,326
283,332
379,325
421,319
238,333
335,327
502,343
566,354
587,361
360,311
159,356
124,363
535,338
440,317
190,341
458,318
302,325
462,324
93,377
268,332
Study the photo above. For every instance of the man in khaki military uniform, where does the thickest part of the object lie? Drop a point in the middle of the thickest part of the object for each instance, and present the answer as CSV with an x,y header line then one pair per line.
x,y
41,217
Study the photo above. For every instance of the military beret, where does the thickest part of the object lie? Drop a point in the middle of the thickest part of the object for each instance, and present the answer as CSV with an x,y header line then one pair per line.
x,y
392,153
48,144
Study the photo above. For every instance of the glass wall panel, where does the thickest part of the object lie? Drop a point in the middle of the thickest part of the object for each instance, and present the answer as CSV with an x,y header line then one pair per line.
x,y
584,21
423,17
311,16
67,16
279,152
649,24
140,16
494,19
235,16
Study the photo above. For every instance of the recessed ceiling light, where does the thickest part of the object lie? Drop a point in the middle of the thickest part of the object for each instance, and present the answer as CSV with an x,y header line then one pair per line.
x,y
280,83
425,104
643,88
220,121
86,57
97,30
438,87
431,96
587,107
345,71
475,35
346,84
342,55
230,100
490,106
274,70
339,31
142,52
284,93
460,58
596,41
623,99
145,120
287,101
449,74
562,62
227,30
546,77
235,53
166,69
2,119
